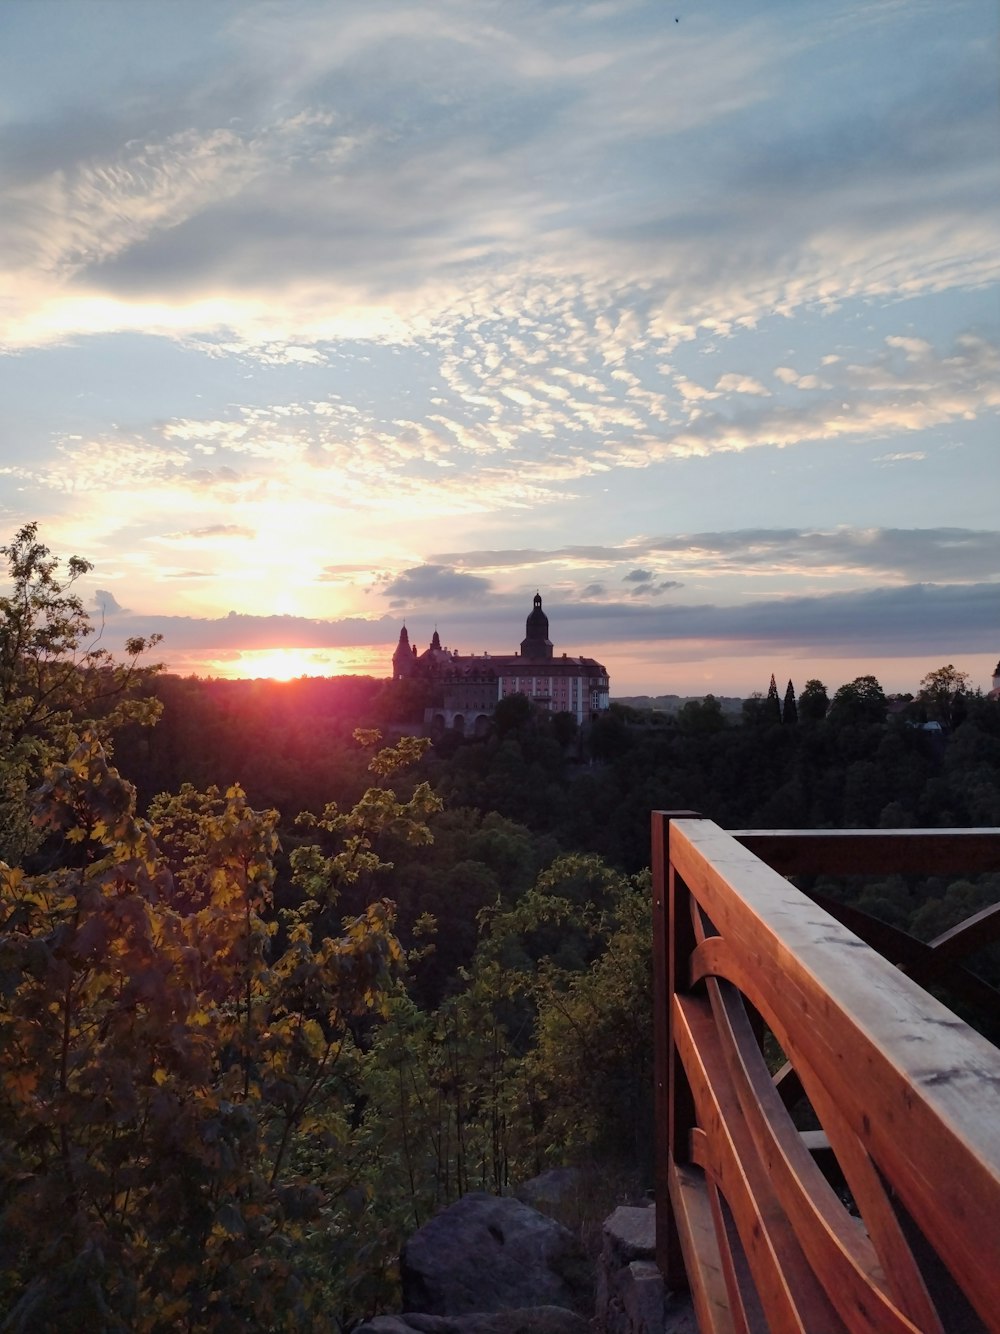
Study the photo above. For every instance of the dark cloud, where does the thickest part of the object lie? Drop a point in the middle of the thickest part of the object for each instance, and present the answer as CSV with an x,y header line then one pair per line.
x,y
650,587
904,621
434,583
925,554
918,554
914,620
638,577
592,591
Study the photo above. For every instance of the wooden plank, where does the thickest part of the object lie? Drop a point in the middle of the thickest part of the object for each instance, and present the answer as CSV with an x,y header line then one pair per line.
x,y
874,851
843,1258
903,1277
928,963
919,1089
734,1270
792,1299
977,931
667,1243
671,1101
709,1297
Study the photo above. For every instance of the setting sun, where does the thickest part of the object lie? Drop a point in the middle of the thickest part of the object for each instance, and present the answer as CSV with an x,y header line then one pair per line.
x,y
287,664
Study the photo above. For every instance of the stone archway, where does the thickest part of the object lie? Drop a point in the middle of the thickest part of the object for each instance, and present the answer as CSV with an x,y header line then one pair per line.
x,y
482,726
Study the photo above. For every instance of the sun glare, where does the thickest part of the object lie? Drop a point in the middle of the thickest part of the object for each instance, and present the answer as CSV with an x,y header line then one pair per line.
x,y
288,664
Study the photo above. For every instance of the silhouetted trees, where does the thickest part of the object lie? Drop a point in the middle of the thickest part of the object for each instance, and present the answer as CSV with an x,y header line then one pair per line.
x,y
814,702
772,705
789,710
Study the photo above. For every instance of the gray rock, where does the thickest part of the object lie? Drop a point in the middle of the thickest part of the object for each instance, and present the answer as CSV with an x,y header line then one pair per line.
x,y
631,1233
486,1254
549,1191
631,1298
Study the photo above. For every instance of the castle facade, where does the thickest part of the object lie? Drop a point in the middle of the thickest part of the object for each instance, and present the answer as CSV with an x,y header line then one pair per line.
x,y
468,687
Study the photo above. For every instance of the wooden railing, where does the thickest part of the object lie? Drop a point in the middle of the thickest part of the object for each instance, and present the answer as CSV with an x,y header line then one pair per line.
x,y
858,1189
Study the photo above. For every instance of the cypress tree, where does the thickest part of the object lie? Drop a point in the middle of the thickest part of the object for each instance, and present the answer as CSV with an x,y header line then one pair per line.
x,y
790,710
772,705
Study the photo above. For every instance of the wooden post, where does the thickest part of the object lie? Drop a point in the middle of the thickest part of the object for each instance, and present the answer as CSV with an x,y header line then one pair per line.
x,y
673,942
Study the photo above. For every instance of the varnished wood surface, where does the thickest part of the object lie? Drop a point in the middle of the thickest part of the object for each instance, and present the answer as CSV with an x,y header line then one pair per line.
x,y
908,1096
874,851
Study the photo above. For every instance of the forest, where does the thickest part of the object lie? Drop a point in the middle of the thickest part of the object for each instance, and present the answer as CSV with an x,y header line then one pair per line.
x,y
279,977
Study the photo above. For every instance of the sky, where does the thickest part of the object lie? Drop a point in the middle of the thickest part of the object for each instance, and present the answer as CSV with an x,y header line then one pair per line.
x,y
322,316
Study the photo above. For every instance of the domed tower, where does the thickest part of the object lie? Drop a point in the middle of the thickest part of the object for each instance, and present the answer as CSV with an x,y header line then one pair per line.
x,y
402,659
536,643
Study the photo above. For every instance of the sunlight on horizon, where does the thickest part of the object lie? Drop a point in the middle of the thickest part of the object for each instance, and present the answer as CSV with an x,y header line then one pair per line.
x,y
285,664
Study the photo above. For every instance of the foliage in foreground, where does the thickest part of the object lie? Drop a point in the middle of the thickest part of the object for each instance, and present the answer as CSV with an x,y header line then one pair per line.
x,y
55,676
175,1070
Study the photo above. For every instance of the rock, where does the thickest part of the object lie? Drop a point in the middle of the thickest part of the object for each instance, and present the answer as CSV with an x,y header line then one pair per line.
x,y
530,1320
631,1298
552,1190
488,1254
631,1233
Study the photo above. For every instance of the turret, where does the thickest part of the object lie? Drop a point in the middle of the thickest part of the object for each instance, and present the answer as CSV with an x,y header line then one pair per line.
x,y
536,643
402,659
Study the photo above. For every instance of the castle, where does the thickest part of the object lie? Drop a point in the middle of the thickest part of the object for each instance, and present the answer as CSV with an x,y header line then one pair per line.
x,y
468,687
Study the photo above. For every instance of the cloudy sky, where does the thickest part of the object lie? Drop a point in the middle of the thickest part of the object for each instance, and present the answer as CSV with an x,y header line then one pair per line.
x,y
321,315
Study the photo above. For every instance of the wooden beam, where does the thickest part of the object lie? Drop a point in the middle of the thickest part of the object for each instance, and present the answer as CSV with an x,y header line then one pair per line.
x,y
874,851
918,1088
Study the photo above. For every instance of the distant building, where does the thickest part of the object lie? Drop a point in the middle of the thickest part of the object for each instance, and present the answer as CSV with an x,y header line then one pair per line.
x,y
995,692
468,687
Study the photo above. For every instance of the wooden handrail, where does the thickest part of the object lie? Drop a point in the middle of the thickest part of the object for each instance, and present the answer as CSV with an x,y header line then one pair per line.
x,y
907,1095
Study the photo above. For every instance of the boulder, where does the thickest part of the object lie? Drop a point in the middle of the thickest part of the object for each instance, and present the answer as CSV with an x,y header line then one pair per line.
x,y
554,1191
486,1253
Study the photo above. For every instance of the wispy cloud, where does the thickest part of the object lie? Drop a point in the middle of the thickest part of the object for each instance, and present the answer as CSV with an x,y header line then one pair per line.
x,y
935,554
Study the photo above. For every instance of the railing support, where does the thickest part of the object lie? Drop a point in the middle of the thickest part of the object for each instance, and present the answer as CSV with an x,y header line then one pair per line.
x,y
673,942
906,1094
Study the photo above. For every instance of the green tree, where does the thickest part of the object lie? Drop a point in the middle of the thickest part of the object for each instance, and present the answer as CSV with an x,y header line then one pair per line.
x,y
772,704
701,715
754,710
814,702
565,728
512,714
859,701
943,691
55,677
175,1118
789,710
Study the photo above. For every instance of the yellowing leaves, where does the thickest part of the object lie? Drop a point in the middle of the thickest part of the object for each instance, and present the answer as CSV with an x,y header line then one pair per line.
x,y
21,1084
170,1047
314,1038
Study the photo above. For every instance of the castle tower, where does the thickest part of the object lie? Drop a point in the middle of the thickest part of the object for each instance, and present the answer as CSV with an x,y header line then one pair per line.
x,y
402,659
536,644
